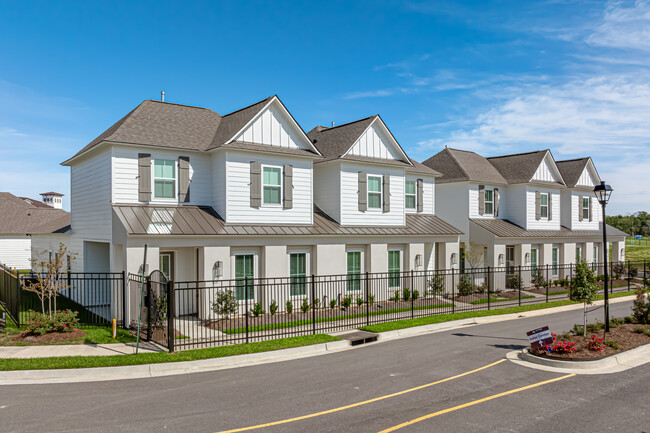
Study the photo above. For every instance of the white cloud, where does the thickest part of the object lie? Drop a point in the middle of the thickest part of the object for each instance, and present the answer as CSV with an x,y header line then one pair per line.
x,y
624,27
369,94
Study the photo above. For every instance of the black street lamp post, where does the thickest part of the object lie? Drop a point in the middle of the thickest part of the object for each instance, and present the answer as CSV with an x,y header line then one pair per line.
x,y
603,193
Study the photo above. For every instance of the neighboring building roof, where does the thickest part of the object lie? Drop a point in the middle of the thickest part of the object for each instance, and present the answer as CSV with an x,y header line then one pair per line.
x,y
58,194
36,202
520,167
506,229
571,170
463,166
418,168
204,221
18,216
165,124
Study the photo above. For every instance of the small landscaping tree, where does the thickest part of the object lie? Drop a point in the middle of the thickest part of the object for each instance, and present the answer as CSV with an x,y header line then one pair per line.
x,y
225,303
618,269
514,282
584,288
48,279
538,279
641,307
273,307
436,285
465,286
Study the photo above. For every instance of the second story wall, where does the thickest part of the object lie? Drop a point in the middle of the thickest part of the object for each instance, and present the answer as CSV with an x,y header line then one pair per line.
x,y
572,207
90,196
327,189
238,191
551,222
475,192
453,205
428,194
350,213
125,174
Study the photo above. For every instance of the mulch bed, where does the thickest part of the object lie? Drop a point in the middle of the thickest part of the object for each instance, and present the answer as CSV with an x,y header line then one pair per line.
x,y
623,335
51,337
551,290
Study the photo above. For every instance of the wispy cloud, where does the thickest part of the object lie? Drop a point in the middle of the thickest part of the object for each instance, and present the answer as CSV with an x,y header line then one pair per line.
x,y
624,27
369,94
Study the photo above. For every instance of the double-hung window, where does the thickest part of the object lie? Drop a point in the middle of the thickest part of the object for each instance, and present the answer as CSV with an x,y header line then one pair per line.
x,y
543,205
272,184
585,208
394,268
354,271
298,274
489,201
411,201
164,178
374,192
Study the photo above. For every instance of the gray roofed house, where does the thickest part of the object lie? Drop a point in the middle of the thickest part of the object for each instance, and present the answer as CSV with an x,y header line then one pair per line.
x,y
461,165
572,169
520,167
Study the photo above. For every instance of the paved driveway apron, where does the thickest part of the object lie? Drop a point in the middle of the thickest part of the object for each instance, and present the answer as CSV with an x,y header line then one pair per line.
x,y
450,382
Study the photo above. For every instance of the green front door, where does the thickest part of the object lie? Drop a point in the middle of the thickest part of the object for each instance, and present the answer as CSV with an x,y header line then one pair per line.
x,y
394,268
244,274
533,259
354,271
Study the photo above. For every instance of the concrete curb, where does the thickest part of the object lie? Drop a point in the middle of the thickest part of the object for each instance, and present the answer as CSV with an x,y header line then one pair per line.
x,y
23,377
612,364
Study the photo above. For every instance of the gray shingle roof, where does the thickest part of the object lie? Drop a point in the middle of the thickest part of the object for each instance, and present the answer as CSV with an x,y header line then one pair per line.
x,y
462,166
17,216
518,168
177,126
571,170
505,229
204,221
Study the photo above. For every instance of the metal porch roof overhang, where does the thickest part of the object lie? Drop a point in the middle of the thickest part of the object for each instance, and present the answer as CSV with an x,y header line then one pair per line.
x,y
204,221
505,229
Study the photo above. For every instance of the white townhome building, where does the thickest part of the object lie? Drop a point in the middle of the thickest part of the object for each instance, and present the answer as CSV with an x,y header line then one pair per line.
x,y
524,209
249,194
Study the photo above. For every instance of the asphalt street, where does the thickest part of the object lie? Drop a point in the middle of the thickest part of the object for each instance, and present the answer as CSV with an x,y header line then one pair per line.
x,y
453,381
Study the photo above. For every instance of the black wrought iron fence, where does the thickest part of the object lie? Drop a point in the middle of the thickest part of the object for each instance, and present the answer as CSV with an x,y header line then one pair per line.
x,y
10,293
220,312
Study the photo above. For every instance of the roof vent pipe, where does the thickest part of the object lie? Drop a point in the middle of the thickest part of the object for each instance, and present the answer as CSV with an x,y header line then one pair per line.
x,y
162,96
332,124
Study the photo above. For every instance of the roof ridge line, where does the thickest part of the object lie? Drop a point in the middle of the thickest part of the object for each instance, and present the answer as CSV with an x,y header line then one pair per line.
x,y
181,105
517,154
250,105
467,176
329,128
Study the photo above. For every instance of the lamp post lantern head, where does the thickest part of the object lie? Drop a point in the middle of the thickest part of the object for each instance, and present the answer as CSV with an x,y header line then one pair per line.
x,y
603,193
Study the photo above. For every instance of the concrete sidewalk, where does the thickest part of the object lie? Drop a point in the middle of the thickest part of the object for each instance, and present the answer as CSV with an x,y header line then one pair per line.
x,y
76,350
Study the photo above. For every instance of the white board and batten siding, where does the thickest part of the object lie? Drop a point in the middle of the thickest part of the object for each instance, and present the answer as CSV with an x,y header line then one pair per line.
x,y
350,214
374,143
547,171
125,174
238,208
16,251
428,194
327,188
272,127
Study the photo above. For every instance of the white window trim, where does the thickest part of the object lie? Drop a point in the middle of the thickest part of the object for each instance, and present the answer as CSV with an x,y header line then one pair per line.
x,y
541,194
153,181
275,186
381,192
402,258
583,208
485,201
307,253
415,196
362,260
246,252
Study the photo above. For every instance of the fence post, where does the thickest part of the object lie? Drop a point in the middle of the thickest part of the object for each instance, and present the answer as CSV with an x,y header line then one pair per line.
x,y
629,278
645,277
611,277
367,301
171,312
124,325
519,284
246,304
313,304
148,309
453,292
488,287
412,289
547,284
18,298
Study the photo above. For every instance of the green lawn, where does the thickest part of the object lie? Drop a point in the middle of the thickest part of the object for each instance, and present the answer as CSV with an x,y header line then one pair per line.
x,y
636,250
409,323
159,357
495,299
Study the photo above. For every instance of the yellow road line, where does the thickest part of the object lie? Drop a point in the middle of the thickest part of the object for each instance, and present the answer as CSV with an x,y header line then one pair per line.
x,y
472,403
361,403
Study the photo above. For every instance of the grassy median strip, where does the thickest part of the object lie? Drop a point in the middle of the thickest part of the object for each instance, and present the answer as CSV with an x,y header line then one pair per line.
x,y
159,357
493,299
410,323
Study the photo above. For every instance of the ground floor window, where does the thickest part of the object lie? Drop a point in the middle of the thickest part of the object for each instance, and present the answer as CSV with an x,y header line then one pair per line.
x,y
166,265
298,274
394,268
533,259
578,254
595,253
510,259
244,275
354,271
556,254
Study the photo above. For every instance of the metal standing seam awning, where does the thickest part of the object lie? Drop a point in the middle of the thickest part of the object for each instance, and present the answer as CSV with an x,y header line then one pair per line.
x,y
204,221
505,229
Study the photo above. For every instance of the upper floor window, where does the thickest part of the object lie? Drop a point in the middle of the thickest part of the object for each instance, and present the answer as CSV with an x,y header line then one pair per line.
x,y
272,185
543,204
410,194
585,208
489,201
374,192
164,178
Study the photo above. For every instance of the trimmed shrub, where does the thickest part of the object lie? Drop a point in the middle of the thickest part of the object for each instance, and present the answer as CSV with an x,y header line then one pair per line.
x,y
305,305
464,286
257,309
333,303
225,303
406,294
273,307
289,307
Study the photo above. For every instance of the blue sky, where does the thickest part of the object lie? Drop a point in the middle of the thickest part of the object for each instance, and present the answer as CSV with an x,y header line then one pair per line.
x,y
494,77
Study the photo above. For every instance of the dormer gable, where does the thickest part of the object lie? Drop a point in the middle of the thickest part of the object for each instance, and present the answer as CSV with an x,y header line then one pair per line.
x,y
589,177
273,126
547,171
377,142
